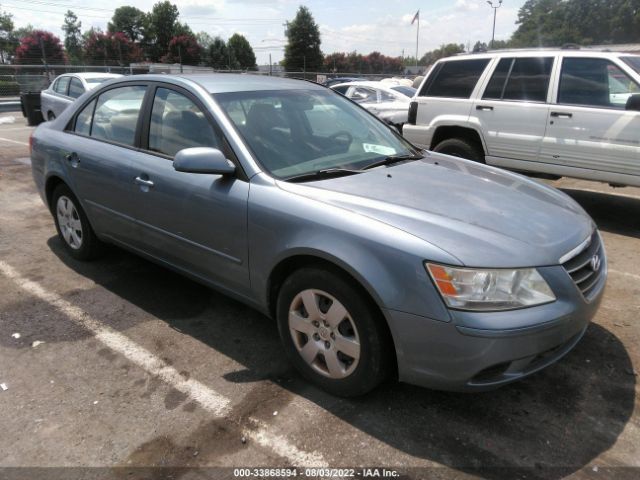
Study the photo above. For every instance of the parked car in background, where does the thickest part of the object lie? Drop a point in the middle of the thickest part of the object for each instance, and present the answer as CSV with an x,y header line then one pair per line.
x,y
334,81
568,113
374,257
66,88
389,101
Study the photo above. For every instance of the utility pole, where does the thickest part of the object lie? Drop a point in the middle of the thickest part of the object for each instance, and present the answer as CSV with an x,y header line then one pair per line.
x,y
44,59
180,57
495,11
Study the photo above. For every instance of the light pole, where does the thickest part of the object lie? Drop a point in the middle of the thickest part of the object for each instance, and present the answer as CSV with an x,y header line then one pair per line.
x,y
495,11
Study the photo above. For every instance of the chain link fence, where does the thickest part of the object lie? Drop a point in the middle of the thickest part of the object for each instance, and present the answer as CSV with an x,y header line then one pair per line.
x,y
17,79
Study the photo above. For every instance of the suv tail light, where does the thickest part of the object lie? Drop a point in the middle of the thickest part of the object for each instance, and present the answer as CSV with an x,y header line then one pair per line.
x,y
413,113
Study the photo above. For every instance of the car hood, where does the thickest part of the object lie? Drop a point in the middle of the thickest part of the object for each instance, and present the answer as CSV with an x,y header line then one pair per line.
x,y
483,216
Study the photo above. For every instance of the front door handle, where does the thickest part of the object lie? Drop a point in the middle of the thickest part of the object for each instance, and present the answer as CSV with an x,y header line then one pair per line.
x,y
562,115
486,108
144,182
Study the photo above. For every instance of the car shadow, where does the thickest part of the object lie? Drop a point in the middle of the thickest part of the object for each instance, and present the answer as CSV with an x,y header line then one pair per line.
x,y
546,426
612,213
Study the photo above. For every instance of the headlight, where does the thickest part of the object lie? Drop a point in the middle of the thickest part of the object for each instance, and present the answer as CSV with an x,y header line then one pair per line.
x,y
483,289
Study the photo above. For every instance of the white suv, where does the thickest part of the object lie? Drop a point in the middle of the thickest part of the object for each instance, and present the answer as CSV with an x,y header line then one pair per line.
x,y
558,112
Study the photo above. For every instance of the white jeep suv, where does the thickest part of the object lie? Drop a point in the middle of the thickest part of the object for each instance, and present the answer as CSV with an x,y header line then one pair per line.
x,y
568,113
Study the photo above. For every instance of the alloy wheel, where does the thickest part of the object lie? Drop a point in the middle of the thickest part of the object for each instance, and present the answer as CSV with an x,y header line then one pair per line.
x,y
69,222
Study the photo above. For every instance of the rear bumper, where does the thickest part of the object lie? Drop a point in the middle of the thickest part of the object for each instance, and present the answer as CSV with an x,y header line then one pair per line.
x,y
461,356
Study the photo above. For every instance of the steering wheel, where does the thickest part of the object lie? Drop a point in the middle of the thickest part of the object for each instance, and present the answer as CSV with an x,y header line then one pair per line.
x,y
342,133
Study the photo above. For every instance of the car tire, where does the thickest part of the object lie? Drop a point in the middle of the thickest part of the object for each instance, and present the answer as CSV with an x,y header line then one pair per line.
x,y
72,224
459,147
51,116
349,355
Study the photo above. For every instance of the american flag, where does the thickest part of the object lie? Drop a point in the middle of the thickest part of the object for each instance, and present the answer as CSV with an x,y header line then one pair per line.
x,y
416,17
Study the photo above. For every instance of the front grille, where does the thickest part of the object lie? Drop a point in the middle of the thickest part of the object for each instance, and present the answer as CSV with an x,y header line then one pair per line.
x,y
581,269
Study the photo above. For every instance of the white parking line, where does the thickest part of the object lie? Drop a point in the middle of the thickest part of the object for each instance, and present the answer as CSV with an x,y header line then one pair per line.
x,y
13,141
205,396
625,274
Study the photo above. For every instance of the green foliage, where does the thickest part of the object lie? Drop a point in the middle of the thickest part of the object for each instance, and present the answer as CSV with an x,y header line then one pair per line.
x,y
204,39
9,88
447,50
242,52
354,62
7,43
72,37
553,23
129,20
218,55
162,24
302,51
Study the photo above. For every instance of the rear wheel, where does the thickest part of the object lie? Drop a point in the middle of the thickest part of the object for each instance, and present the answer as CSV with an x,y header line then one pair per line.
x,y
332,333
459,147
72,225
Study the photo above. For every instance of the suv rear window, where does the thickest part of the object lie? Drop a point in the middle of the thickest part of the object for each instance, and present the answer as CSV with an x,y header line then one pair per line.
x,y
454,79
520,79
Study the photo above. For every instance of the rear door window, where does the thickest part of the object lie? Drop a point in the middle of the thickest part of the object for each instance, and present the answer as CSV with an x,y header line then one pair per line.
x,y
61,85
454,79
75,88
520,79
116,114
83,120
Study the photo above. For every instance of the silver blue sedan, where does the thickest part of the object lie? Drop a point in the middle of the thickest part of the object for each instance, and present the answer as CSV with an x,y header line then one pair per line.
x,y
376,258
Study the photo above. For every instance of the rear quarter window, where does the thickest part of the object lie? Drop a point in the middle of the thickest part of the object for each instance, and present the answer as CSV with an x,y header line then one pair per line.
x,y
454,79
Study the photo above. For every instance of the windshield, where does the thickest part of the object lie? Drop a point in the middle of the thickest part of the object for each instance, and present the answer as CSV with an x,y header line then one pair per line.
x,y
633,62
295,132
407,91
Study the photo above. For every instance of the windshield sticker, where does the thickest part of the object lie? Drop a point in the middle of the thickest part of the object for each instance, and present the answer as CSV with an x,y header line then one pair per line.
x,y
380,149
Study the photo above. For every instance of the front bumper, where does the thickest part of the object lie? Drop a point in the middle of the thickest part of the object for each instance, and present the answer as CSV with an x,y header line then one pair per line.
x,y
483,350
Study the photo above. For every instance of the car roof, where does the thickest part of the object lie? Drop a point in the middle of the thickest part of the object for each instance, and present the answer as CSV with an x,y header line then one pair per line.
x,y
96,75
538,51
236,82
369,83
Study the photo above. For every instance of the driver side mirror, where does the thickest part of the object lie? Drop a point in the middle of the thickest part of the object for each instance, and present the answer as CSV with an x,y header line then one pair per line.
x,y
203,160
633,103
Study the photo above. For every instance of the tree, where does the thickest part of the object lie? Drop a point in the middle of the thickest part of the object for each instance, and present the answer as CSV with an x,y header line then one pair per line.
x,y
447,50
161,29
110,48
242,52
218,55
129,20
553,23
6,40
183,49
480,47
204,40
302,51
31,49
72,37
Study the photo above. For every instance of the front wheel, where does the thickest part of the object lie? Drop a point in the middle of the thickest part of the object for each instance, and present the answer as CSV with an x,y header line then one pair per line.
x,y
332,333
459,147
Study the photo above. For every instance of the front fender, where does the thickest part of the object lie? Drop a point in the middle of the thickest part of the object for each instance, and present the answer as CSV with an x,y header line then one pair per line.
x,y
386,261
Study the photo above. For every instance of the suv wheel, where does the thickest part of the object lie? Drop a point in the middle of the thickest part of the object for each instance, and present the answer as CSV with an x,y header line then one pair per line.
x,y
73,226
331,333
458,147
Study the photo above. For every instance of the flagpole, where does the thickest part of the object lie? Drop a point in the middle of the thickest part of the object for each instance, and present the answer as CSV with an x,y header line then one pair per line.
x,y
417,37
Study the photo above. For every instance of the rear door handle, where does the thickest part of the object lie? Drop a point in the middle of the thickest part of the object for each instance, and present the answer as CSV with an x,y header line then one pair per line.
x,y
486,108
562,115
143,182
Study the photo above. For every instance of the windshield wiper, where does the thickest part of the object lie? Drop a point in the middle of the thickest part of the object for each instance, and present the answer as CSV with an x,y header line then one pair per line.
x,y
392,159
322,174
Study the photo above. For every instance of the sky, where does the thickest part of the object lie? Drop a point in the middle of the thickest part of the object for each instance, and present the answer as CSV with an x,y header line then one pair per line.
x,y
345,25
